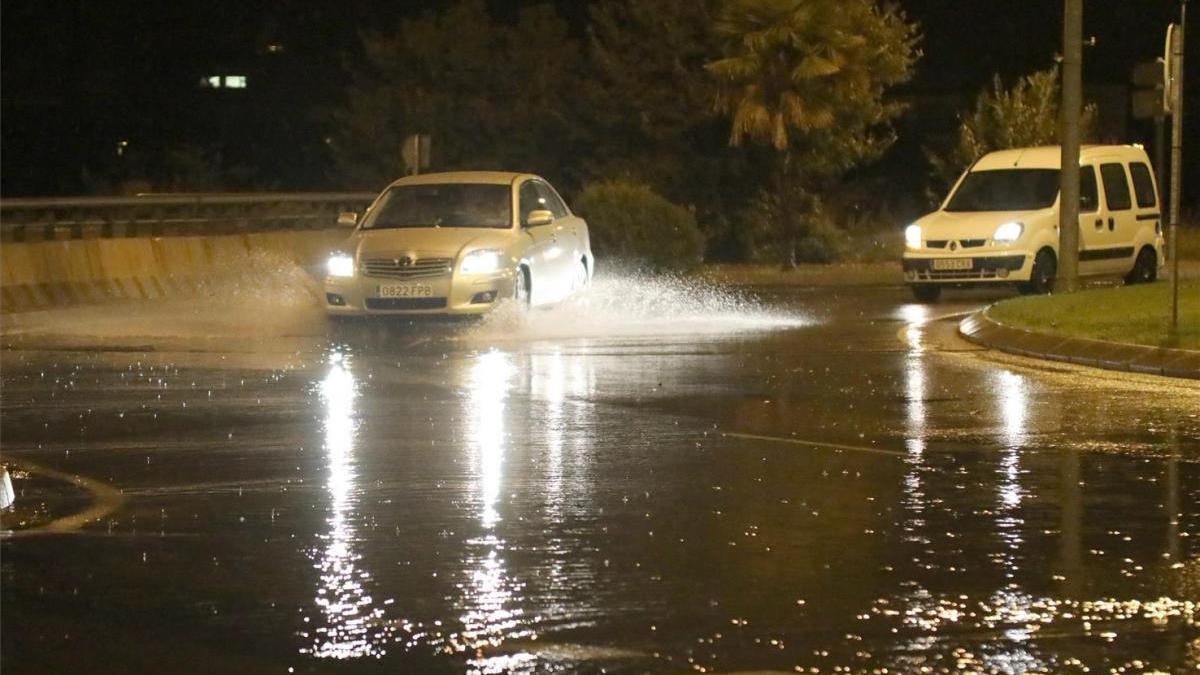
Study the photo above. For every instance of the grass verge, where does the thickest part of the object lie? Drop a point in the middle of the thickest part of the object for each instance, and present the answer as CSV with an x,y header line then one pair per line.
x,y
1131,314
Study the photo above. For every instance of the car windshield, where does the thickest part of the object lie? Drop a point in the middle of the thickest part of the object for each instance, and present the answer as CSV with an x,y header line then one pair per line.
x,y
1006,190
443,205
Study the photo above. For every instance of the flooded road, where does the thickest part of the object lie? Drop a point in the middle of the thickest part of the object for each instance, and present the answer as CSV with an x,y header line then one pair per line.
x,y
810,480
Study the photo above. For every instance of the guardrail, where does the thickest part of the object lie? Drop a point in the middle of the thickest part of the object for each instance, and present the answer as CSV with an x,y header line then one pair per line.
x,y
172,215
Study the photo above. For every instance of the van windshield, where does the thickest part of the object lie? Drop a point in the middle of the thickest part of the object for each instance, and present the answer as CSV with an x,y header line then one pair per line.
x,y
1006,190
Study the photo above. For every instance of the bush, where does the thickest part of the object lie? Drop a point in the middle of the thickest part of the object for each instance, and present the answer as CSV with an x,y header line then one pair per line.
x,y
634,226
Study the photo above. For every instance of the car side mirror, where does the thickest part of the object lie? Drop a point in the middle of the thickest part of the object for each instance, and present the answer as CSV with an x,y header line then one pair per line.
x,y
538,218
347,219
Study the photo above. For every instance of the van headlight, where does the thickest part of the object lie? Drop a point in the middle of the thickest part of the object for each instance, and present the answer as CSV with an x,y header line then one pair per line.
x,y
482,261
340,265
912,236
1008,232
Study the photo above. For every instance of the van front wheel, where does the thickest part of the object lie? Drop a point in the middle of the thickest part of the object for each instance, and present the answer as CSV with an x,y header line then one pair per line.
x,y
1041,278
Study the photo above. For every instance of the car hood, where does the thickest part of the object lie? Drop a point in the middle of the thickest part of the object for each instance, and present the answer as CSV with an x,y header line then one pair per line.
x,y
439,241
977,224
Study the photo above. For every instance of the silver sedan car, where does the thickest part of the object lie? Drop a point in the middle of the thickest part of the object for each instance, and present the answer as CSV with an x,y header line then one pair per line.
x,y
459,243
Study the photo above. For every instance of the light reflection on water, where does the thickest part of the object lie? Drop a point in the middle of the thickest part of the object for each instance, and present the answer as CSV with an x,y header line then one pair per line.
x,y
922,609
352,623
488,617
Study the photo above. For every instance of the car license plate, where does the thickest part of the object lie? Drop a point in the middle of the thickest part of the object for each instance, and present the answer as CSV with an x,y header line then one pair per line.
x,y
953,264
406,291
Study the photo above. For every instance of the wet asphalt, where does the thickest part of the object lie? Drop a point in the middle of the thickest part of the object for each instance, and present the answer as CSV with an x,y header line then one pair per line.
x,y
823,480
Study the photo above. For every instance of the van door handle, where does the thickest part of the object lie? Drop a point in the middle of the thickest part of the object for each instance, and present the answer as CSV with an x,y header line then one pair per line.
x,y
1099,223
1111,224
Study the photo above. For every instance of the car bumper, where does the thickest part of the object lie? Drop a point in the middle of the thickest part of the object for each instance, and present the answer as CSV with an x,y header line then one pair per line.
x,y
960,268
446,295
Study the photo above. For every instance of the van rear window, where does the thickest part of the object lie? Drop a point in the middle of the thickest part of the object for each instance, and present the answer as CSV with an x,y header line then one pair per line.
x,y
1006,190
1143,185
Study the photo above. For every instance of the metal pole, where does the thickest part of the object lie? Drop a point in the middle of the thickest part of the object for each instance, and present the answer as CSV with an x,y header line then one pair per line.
x,y
1072,101
1176,158
1160,149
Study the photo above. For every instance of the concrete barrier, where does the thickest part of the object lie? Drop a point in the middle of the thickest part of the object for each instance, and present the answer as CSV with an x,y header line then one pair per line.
x,y
44,274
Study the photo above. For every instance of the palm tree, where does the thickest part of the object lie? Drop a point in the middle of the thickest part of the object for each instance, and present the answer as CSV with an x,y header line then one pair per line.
x,y
807,78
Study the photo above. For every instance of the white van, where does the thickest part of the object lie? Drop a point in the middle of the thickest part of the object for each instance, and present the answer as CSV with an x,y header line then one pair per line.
x,y
1000,222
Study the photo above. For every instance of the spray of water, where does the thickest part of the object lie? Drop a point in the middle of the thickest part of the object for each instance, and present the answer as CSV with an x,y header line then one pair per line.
x,y
269,296
260,295
632,305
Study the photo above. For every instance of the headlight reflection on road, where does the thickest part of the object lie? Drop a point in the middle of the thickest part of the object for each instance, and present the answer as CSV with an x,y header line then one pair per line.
x,y
353,625
487,617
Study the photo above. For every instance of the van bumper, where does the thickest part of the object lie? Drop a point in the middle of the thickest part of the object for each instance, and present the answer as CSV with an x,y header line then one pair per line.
x,y
966,269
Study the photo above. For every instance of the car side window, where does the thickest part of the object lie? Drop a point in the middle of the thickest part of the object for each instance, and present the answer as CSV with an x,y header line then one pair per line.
x,y
1116,187
1089,199
1143,185
551,200
530,200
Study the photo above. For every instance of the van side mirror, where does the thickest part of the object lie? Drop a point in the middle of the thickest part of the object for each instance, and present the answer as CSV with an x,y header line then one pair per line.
x,y
538,218
347,219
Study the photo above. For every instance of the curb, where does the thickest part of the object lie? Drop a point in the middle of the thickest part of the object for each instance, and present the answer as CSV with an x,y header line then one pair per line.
x,y
981,329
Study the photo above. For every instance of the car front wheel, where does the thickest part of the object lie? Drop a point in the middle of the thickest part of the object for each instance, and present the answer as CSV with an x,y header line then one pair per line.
x,y
521,287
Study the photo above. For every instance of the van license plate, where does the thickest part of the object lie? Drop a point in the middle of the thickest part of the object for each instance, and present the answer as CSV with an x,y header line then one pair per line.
x,y
953,264
406,291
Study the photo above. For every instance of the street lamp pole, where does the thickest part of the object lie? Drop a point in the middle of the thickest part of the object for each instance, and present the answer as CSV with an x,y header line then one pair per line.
x,y
1072,102
1176,88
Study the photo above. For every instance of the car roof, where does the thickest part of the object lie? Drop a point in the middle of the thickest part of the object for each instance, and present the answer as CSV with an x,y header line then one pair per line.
x,y
1050,156
480,177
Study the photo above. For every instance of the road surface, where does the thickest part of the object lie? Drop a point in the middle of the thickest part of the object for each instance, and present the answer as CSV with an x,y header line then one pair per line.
x,y
654,477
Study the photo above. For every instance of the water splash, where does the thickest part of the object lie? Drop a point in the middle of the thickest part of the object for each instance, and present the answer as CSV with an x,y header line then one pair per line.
x,y
262,294
637,305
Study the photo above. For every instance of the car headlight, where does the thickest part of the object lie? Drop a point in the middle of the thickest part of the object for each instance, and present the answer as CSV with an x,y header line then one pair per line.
x,y
912,236
1008,232
340,265
482,261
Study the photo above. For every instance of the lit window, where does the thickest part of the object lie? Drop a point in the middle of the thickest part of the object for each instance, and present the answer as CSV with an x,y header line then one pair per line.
x,y
235,81
213,82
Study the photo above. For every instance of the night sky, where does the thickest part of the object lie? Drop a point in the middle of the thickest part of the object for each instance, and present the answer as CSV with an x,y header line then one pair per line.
x,y
79,76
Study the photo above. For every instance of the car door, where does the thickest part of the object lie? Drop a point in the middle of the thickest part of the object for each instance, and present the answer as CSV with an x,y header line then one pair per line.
x,y
567,228
1093,233
1148,218
1115,252
544,254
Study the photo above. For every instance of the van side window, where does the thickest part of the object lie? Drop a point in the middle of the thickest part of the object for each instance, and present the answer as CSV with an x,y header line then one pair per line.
x,y
1089,199
1143,185
1116,188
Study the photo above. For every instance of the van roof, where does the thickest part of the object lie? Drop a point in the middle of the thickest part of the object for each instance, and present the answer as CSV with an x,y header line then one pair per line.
x,y
1050,156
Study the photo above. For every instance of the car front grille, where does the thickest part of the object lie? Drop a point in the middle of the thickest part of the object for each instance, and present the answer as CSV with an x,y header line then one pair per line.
x,y
406,267
402,304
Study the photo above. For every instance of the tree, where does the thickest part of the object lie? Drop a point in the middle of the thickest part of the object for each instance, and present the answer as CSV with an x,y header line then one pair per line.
x,y
491,95
632,224
807,79
1024,115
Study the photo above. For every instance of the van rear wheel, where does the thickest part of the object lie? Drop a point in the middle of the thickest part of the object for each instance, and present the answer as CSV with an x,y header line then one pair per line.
x,y
1145,268
926,292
